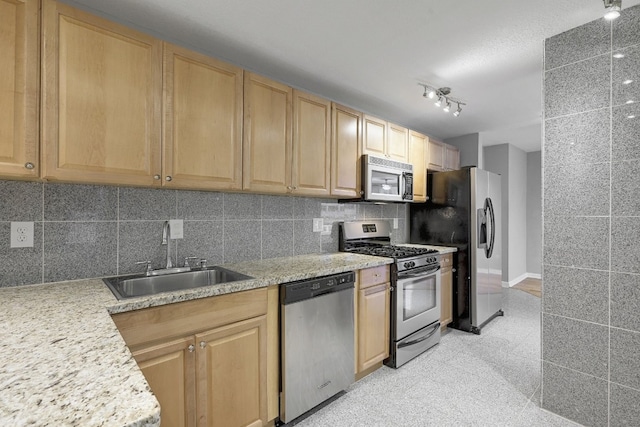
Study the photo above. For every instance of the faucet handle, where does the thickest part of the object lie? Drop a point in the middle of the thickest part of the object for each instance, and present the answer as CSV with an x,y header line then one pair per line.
x,y
202,263
148,268
188,259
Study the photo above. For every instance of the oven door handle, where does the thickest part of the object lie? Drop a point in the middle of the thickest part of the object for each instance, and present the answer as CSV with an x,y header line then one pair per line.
x,y
422,338
418,273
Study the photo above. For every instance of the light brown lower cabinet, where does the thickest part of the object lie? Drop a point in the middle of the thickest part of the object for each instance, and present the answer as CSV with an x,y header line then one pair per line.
x,y
446,294
373,315
222,370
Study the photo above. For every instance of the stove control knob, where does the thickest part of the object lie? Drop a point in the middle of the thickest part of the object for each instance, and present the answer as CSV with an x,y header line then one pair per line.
x,y
413,264
407,264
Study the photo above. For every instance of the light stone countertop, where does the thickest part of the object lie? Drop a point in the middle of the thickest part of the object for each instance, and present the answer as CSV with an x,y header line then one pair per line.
x,y
64,362
442,249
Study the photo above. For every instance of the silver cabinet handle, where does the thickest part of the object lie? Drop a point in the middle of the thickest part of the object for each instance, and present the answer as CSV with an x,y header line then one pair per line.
x,y
191,348
29,165
168,178
156,176
203,344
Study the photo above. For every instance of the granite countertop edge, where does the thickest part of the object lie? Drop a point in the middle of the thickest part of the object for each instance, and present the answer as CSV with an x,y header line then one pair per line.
x,y
67,364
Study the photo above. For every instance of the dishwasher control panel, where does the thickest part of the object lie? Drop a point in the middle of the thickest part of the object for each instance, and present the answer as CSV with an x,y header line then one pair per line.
x,y
310,288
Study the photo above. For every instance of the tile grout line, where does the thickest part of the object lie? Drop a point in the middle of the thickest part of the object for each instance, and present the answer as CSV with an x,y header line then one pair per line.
x,y
610,221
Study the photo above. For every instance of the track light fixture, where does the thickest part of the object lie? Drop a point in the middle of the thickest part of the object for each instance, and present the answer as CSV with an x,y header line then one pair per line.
x,y
612,9
443,98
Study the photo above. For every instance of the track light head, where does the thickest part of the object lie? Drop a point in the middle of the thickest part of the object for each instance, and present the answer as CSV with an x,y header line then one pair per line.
x,y
431,94
447,107
613,8
439,101
458,111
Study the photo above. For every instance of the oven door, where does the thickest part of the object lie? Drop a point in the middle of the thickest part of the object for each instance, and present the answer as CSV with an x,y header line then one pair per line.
x,y
417,299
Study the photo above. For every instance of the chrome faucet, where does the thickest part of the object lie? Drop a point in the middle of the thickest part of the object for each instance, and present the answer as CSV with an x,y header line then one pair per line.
x,y
166,238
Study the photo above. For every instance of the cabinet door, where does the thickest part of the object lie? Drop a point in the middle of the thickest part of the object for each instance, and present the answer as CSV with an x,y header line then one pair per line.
x,y
19,88
436,156
374,136
451,158
398,143
169,368
267,135
373,325
102,89
311,169
231,374
446,309
418,158
345,151
202,128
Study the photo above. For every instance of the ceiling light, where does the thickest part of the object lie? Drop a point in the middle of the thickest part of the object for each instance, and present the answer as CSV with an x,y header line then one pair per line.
x,y
631,101
618,55
613,8
627,82
631,116
443,97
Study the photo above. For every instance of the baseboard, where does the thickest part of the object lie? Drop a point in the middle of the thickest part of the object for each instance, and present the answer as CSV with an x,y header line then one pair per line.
x,y
534,276
515,281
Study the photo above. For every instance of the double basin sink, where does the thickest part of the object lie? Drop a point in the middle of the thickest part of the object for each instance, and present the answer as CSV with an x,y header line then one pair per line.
x,y
136,286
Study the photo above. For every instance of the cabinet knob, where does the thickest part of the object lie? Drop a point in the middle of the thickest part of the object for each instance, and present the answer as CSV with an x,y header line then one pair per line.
x,y
191,348
156,176
29,165
168,178
289,187
203,344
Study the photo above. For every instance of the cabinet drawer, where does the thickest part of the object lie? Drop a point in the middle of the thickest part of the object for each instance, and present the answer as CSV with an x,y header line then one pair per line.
x,y
374,276
184,318
446,260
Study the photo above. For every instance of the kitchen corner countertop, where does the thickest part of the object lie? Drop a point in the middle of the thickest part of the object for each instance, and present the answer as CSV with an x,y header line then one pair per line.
x,y
441,249
64,362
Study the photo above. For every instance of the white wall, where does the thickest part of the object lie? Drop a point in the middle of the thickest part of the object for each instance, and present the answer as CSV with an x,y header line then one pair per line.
x,y
511,163
534,213
517,214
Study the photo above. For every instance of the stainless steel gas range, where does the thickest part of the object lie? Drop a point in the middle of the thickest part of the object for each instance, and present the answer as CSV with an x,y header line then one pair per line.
x,y
415,287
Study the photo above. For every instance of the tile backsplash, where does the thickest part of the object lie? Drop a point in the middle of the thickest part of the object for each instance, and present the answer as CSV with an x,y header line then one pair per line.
x,y
85,231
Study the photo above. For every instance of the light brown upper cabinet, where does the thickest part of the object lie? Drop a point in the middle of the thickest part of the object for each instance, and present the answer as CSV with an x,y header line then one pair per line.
x,y
418,146
385,139
451,158
443,157
375,137
102,87
19,88
202,128
345,151
311,169
397,143
267,143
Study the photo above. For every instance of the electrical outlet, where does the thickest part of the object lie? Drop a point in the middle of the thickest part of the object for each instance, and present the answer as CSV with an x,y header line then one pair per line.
x,y
177,228
395,223
326,230
317,225
22,234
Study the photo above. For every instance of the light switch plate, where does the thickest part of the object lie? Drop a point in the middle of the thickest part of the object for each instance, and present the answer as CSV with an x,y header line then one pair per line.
x,y
326,230
22,234
395,223
177,228
317,225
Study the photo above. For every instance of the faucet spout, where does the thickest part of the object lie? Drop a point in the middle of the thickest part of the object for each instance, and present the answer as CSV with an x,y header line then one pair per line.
x,y
166,239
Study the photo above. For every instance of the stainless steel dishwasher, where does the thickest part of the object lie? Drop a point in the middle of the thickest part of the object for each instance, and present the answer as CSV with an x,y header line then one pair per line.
x,y
316,331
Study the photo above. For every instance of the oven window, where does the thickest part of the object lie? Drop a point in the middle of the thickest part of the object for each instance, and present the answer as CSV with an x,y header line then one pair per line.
x,y
419,296
385,183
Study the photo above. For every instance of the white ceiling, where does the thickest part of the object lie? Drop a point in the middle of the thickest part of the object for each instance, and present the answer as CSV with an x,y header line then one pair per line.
x,y
371,54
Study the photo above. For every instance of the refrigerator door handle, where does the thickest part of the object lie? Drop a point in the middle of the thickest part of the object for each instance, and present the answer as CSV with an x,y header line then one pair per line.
x,y
492,215
482,228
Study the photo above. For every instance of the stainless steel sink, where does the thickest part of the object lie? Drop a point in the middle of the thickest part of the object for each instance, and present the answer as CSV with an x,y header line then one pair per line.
x,y
136,286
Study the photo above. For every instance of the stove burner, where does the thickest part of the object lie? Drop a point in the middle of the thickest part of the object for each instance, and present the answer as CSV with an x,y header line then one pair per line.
x,y
390,251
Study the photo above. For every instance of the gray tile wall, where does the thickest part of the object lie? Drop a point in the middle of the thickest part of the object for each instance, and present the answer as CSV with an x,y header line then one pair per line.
x,y
85,231
591,223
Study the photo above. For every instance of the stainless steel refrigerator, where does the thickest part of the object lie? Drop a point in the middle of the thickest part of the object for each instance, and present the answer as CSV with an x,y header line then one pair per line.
x,y
464,210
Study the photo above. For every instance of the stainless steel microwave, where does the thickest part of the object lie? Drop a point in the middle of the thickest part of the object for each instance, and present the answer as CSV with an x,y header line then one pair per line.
x,y
387,180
